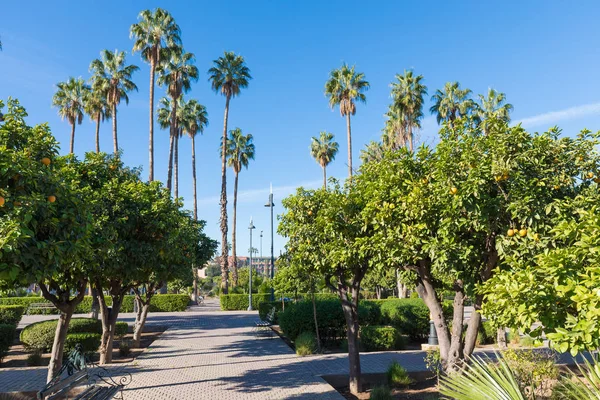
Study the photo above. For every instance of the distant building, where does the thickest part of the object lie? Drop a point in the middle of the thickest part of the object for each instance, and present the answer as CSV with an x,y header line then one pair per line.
x,y
262,265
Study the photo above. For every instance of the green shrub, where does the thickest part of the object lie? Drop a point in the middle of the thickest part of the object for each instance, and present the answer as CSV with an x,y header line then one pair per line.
x,y
306,344
121,329
513,336
486,334
369,313
397,375
232,302
125,348
433,361
528,341
35,359
410,316
374,338
168,302
381,392
532,369
11,314
89,342
40,335
7,337
414,295
298,318
265,307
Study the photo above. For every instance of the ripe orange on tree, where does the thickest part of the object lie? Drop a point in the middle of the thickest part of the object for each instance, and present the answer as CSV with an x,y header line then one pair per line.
x,y
510,233
523,232
2,201
46,161
51,198
453,190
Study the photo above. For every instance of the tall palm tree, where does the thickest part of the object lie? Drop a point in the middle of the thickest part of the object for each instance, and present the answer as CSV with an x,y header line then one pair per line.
x,y
165,120
97,108
323,149
240,150
395,133
493,107
195,119
112,77
228,75
344,87
451,103
177,75
408,92
70,98
373,151
155,34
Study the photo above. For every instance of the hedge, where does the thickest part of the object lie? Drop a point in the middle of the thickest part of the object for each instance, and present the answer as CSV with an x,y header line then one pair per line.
x,y
89,342
231,302
265,307
11,315
298,318
7,337
375,338
158,303
40,335
409,316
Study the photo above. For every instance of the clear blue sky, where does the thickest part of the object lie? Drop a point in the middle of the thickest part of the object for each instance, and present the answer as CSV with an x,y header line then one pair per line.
x,y
543,55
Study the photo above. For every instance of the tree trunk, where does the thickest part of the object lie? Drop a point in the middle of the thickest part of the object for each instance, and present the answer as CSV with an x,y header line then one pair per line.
x,y
349,146
195,285
501,338
455,353
234,229
324,177
59,342
95,303
378,292
72,138
351,315
109,320
410,137
140,319
314,304
151,137
224,251
176,162
114,123
98,133
194,178
170,167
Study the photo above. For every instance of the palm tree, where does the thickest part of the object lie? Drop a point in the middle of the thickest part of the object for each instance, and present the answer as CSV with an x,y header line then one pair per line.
x,y
70,98
395,133
323,149
112,77
240,150
228,75
165,120
493,107
372,152
451,103
98,110
177,74
155,34
408,93
344,87
195,119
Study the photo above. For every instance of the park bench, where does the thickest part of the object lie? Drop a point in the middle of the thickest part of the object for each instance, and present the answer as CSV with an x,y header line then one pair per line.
x,y
200,300
39,306
265,325
77,374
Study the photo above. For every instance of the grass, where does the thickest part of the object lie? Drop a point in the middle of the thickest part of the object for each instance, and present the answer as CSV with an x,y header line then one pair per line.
x,y
381,392
397,375
306,344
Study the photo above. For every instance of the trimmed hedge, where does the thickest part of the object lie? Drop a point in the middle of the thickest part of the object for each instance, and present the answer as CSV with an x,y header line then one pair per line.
x,y
158,303
7,337
298,318
121,328
90,342
231,302
409,316
375,338
11,315
265,307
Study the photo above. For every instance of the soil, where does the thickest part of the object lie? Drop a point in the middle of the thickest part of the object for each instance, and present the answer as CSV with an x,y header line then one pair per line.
x,y
17,355
420,390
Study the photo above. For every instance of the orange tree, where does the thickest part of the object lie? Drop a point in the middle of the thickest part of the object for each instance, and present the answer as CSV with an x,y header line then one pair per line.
x,y
449,216
44,224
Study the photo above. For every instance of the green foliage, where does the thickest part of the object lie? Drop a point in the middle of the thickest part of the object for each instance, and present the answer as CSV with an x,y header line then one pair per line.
x,y
34,359
381,392
121,328
582,384
376,338
487,333
306,344
11,314
265,307
231,302
482,380
88,341
397,375
369,313
169,302
124,348
533,370
40,335
7,336
298,318
410,316
433,361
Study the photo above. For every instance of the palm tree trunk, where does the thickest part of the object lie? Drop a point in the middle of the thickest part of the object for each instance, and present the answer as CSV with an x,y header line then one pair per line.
x,y
72,138
349,146
324,177
151,137
171,142
114,122
176,162
410,138
224,252
194,177
98,133
233,233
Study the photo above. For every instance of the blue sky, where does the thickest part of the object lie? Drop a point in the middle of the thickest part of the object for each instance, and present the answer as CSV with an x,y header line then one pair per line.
x,y
543,55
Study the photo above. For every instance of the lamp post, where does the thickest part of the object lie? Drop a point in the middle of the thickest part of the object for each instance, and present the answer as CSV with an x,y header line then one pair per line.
x,y
262,264
250,268
270,204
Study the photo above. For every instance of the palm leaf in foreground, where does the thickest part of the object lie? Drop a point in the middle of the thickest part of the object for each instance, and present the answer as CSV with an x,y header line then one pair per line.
x,y
585,386
482,380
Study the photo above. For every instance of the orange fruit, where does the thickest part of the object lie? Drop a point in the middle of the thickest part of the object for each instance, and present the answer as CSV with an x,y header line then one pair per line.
x,y
51,199
536,236
46,161
597,180
112,167
511,233
556,187
497,178
590,175
2,201
425,180
309,212
453,190
523,232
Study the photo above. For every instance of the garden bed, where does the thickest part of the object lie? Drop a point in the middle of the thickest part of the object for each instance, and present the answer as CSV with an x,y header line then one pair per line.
x,y
423,388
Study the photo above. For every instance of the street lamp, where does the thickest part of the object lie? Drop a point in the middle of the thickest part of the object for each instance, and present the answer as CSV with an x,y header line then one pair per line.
x,y
270,204
262,264
250,270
